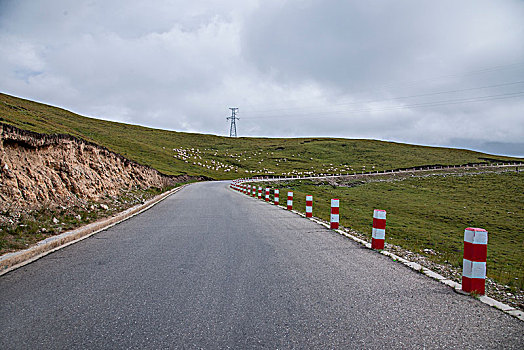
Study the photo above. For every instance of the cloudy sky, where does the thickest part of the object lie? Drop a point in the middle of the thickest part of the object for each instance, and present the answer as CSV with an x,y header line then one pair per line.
x,y
444,72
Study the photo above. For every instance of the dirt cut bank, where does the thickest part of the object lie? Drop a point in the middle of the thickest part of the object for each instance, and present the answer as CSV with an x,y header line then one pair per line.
x,y
38,170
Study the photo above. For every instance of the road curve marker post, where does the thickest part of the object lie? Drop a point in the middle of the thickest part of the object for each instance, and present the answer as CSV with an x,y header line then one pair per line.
x,y
474,263
290,200
254,191
267,194
276,196
378,234
335,206
309,206
259,192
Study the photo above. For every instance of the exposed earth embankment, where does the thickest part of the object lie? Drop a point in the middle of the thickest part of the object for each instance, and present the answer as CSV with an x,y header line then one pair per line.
x,y
45,170
53,183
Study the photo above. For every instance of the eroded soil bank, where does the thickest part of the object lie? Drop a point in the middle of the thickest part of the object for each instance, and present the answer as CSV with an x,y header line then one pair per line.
x,y
50,183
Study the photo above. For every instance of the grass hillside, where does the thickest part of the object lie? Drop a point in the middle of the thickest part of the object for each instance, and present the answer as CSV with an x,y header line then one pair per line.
x,y
223,157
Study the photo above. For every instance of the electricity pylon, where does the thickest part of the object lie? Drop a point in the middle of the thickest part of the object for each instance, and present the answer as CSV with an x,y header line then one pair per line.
x,y
233,128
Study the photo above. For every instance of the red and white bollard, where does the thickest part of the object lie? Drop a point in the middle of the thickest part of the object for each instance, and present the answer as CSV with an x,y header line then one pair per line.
x,y
474,263
248,190
267,194
378,234
290,200
335,203
259,192
309,206
276,196
254,191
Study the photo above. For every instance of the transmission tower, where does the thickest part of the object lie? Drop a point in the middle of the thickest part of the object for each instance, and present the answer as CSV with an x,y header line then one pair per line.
x,y
233,128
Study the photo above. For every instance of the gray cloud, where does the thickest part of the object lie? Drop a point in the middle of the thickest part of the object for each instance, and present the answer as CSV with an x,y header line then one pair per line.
x,y
295,68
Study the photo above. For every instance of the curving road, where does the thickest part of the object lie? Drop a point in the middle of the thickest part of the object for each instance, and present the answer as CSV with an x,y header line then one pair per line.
x,y
213,269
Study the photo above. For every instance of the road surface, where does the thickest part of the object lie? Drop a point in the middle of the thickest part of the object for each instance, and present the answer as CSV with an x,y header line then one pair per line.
x,y
213,269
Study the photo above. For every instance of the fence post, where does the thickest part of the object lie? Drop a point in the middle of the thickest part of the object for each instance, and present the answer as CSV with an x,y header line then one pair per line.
x,y
474,263
378,234
309,206
290,200
334,214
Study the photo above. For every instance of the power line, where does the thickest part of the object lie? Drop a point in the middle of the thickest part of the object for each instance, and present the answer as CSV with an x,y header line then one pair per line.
x,y
395,98
414,82
416,105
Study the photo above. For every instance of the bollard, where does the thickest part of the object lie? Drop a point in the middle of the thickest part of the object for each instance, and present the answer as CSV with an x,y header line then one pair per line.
x,y
309,206
276,196
378,234
334,214
474,263
267,194
259,192
254,191
290,200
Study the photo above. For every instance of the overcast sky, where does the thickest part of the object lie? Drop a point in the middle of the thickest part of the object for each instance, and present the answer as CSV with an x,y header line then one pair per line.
x,y
443,72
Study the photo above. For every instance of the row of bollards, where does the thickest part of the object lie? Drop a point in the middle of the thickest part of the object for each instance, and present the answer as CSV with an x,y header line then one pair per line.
x,y
475,239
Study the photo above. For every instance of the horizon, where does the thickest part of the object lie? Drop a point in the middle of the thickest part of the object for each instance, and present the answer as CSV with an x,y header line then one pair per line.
x,y
277,137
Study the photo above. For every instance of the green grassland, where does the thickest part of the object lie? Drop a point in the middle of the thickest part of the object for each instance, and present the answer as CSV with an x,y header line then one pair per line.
x,y
431,212
178,153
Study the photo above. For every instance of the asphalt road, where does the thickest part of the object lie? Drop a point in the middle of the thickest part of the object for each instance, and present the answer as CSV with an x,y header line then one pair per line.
x,y
211,268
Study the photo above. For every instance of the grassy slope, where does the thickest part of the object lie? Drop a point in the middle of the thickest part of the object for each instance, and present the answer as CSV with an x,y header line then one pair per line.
x,y
432,212
154,147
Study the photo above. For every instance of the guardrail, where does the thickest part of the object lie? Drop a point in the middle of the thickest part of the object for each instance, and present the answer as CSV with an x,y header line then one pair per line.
x,y
378,172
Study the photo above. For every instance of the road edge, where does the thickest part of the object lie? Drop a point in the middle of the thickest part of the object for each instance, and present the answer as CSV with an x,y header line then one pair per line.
x,y
457,287
15,260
